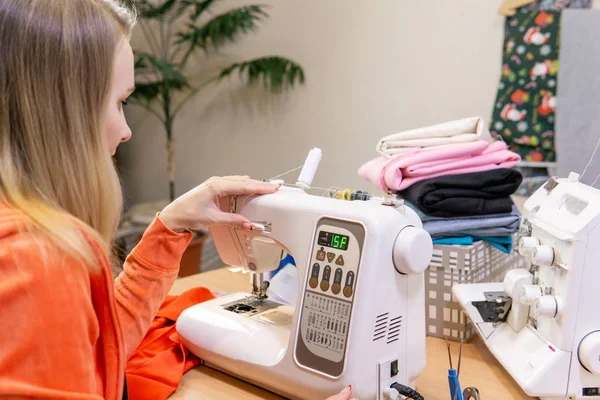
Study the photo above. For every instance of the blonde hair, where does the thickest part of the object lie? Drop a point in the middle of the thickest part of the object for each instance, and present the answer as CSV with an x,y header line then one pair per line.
x,y
55,78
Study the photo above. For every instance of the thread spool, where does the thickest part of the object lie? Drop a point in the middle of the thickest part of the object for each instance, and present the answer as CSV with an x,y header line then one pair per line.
x,y
347,194
310,168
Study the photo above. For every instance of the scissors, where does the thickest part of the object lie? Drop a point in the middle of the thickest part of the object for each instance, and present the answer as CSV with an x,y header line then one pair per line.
x,y
470,393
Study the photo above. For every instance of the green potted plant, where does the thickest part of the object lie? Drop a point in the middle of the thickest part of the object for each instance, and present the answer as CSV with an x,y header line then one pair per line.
x,y
176,30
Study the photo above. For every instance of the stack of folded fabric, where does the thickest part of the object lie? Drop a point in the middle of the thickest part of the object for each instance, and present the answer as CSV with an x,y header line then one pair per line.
x,y
459,182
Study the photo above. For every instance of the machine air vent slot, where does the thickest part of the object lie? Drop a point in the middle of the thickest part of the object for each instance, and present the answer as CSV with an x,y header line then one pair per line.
x,y
381,325
394,331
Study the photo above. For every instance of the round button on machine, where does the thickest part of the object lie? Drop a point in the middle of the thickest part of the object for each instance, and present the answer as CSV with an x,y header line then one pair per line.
x,y
530,293
543,256
547,306
349,284
326,278
348,291
337,281
313,282
527,245
335,288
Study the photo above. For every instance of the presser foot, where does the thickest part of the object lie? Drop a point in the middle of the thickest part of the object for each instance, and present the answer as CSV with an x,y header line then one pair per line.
x,y
260,292
494,308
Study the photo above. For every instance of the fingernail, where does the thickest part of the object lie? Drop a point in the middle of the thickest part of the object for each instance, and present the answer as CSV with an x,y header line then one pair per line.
x,y
247,226
347,390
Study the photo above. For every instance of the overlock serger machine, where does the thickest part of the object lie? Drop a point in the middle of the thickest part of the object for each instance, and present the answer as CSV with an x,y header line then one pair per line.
x,y
543,323
359,318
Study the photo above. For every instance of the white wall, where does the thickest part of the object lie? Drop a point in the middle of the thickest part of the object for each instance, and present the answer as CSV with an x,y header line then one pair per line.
x,y
372,68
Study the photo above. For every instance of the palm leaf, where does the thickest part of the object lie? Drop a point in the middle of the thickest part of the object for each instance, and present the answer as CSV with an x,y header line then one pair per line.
x,y
141,60
149,11
147,91
223,28
166,78
200,6
276,73
145,62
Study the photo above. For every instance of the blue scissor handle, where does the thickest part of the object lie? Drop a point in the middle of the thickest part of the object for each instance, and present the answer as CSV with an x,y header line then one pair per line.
x,y
455,392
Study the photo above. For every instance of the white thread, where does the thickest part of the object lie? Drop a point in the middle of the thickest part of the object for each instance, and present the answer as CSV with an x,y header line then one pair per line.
x,y
596,180
591,159
325,191
287,172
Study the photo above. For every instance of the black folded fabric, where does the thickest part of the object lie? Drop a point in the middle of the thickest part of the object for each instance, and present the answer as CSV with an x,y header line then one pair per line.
x,y
477,193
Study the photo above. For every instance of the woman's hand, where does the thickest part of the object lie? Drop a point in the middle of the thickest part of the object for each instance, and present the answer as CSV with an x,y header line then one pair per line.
x,y
345,394
199,208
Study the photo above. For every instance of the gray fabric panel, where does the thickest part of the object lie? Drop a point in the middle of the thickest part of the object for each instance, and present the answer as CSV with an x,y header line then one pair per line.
x,y
578,94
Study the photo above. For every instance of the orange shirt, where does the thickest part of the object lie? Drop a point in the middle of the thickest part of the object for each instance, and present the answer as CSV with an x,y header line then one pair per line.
x,y
67,332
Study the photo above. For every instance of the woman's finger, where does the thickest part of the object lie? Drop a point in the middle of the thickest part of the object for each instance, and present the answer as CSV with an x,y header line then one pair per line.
x,y
343,395
232,188
232,220
238,178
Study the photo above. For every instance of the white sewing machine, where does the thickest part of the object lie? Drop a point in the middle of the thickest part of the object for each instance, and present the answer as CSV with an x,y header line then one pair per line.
x,y
543,324
360,315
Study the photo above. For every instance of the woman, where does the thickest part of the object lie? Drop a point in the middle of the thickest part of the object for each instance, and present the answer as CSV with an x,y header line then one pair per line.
x,y
66,71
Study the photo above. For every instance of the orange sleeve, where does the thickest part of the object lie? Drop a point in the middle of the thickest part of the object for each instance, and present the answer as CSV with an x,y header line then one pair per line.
x,y
147,277
49,326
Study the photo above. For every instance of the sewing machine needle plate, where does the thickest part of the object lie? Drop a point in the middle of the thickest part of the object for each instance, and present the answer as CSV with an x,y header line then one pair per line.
x,y
251,306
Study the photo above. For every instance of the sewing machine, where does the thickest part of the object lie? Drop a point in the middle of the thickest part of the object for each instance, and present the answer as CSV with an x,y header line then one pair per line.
x,y
360,314
542,323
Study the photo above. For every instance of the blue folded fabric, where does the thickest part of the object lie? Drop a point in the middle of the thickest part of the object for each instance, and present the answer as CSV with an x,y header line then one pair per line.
x,y
477,225
503,243
288,259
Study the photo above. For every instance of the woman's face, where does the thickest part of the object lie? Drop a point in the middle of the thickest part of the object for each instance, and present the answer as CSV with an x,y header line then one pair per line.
x,y
123,84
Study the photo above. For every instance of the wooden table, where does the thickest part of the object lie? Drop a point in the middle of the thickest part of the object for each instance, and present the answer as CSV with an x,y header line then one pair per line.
x,y
479,368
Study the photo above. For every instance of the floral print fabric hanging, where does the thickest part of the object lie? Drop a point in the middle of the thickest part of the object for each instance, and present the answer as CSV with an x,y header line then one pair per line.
x,y
524,111
524,108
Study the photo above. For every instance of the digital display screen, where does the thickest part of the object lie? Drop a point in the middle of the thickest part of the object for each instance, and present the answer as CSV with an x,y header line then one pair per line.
x,y
334,240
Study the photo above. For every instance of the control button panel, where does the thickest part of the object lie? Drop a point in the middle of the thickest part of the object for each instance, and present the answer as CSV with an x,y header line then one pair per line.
x,y
329,296
336,275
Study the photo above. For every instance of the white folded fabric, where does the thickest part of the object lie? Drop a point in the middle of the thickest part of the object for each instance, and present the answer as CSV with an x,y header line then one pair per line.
x,y
435,136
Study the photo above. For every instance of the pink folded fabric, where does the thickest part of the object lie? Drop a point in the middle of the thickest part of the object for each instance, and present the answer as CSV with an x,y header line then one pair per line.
x,y
399,172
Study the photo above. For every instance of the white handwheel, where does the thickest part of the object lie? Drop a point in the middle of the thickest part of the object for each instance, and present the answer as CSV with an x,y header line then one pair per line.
x,y
412,251
589,352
